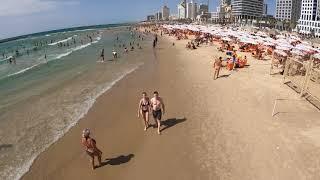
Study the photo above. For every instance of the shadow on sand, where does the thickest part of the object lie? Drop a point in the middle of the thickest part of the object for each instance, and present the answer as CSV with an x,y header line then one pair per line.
x,y
171,122
5,146
117,160
224,76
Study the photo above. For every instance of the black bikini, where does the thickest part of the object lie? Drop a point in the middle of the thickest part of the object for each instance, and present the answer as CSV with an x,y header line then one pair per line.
x,y
145,106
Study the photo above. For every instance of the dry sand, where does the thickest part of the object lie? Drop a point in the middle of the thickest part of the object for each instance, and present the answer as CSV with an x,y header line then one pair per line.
x,y
212,130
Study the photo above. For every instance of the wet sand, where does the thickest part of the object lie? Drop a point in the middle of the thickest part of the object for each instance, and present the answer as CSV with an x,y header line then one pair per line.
x,y
219,129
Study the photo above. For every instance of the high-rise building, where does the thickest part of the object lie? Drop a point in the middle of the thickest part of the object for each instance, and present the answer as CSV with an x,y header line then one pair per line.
x,y
246,10
288,10
165,13
225,13
192,10
158,16
182,8
265,9
309,22
203,8
215,16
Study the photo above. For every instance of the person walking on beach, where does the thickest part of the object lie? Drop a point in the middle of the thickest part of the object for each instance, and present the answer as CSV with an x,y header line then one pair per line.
x,y
217,66
90,147
102,55
158,109
154,44
144,109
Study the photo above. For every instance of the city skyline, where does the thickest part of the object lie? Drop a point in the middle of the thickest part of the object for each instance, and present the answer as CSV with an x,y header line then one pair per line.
x,y
31,16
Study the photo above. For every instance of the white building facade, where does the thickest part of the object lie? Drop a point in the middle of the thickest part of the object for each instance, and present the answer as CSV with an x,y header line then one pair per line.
x,y
192,10
288,10
309,22
182,10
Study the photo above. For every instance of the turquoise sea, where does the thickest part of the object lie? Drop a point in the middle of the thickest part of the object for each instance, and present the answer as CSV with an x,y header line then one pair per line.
x,y
52,81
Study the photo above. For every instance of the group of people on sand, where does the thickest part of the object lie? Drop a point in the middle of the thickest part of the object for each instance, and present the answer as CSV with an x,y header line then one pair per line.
x,y
231,63
191,45
146,106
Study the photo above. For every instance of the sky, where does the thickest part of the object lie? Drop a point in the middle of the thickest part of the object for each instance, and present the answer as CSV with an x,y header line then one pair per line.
x,y
19,17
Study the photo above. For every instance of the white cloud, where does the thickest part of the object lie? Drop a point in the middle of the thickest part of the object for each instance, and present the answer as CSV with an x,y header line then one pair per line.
x,y
24,7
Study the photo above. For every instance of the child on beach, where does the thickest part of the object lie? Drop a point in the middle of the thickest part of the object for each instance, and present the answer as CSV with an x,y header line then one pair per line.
x,y
90,147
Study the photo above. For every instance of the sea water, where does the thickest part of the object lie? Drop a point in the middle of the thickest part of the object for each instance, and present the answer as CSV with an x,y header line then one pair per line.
x,y
49,88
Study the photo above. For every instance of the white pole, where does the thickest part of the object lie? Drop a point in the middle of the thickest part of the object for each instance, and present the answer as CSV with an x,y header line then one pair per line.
x,y
308,73
272,60
274,107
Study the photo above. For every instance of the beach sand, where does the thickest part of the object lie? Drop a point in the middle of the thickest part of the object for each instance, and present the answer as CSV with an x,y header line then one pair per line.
x,y
220,129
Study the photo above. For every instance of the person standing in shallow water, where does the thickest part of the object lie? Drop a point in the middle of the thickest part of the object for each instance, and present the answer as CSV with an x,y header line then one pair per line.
x,y
102,55
158,109
90,147
144,109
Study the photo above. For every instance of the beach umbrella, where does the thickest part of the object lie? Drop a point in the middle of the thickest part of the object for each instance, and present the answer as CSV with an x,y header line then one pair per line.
x,y
268,44
279,52
280,36
248,41
226,39
297,52
285,45
283,48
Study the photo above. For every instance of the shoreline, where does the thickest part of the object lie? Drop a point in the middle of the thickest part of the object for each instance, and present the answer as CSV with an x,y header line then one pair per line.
x,y
68,109
82,116
42,157
213,130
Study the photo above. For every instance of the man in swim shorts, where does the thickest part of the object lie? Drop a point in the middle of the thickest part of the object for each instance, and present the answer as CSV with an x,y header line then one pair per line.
x,y
217,66
158,109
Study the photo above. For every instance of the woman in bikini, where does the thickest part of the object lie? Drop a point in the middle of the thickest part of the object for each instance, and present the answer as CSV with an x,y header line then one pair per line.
x,y
144,109
90,147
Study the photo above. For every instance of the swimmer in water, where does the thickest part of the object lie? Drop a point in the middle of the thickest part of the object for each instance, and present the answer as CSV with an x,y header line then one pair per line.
x,y
115,54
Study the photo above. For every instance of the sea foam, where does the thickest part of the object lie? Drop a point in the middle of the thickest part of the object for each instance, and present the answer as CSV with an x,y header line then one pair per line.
x,y
59,56
64,40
